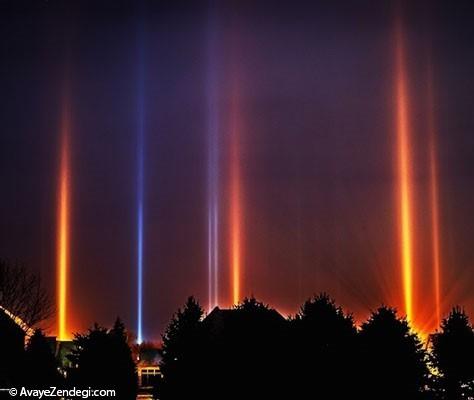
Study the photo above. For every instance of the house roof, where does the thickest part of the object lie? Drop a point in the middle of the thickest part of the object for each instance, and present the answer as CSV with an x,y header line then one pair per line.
x,y
7,320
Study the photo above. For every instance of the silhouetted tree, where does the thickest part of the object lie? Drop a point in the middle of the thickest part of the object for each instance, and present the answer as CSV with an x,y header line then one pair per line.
x,y
42,368
232,354
323,349
244,352
453,355
102,358
22,293
181,356
393,361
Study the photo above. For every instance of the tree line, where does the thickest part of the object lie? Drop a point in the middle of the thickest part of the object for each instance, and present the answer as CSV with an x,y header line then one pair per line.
x,y
252,352
249,351
99,359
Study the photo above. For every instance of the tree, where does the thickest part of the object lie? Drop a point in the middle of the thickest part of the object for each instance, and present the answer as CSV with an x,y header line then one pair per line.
x,y
453,355
393,361
102,358
252,347
180,352
42,368
235,353
23,295
323,348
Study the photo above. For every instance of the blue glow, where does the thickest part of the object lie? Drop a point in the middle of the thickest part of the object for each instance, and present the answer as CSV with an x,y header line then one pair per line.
x,y
140,186
140,271
213,169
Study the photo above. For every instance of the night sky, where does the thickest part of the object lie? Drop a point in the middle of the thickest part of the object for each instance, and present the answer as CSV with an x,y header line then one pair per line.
x,y
308,86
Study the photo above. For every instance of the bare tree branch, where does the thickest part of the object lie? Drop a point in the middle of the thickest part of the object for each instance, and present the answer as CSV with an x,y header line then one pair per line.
x,y
23,294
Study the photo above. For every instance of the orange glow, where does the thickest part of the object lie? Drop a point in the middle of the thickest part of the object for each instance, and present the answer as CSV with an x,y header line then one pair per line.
x,y
435,226
63,227
236,245
235,203
404,176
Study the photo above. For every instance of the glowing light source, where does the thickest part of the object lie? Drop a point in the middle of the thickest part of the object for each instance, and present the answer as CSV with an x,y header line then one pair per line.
x,y
63,228
140,188
140,243
235,199
434,199
404,166
213,174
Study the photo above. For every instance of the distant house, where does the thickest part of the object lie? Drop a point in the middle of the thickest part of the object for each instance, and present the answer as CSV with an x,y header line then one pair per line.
x,y
148,368
12,347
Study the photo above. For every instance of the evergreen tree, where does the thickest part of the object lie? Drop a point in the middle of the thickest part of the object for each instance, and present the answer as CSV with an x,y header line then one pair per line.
x,y
181,359
249,352
323,348
393,361
42,368
102,358
453,354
